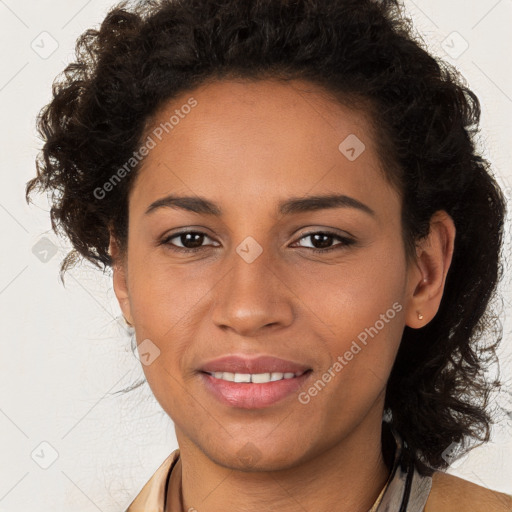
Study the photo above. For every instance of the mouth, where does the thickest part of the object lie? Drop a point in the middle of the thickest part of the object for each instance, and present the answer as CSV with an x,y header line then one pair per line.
x,y
253,390
255,378
261,365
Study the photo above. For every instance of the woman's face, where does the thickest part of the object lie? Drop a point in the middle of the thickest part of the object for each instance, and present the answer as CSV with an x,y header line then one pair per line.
x,y
255,286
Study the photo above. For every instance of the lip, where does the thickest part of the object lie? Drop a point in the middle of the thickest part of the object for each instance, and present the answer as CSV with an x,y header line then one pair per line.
x,y
252,395
260,364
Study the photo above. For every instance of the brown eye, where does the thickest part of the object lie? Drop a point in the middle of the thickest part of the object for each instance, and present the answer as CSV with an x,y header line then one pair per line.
x,y
191,241
322,240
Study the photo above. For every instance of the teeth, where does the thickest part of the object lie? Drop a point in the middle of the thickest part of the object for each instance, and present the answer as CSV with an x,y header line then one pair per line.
x,y
257,378
242,377
260,378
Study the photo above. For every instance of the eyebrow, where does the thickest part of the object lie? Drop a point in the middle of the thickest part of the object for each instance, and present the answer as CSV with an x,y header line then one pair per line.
x,y
290,206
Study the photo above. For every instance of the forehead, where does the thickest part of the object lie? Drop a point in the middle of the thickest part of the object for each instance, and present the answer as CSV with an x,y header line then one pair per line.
x,y
254,138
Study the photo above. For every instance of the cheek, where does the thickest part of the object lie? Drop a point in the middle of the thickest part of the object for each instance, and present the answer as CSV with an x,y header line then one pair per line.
x,y
163,296
351,295
360,313
168,304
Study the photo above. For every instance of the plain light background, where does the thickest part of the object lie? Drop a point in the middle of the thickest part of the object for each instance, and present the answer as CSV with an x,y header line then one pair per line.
x,y
65,350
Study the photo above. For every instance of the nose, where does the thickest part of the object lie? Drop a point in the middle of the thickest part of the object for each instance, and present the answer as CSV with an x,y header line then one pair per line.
x,y
253,297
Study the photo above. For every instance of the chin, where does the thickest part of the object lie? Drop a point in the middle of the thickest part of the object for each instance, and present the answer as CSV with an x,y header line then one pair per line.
x,y
251,456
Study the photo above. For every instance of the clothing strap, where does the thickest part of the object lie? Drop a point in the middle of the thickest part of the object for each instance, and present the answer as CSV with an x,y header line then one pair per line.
x,y
406,490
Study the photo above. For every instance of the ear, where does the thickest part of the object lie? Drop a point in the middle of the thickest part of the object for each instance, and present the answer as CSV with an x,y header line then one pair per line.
x,y
427,276
120,278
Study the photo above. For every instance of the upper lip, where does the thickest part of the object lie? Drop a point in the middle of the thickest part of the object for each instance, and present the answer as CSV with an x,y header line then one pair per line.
x,y
260,364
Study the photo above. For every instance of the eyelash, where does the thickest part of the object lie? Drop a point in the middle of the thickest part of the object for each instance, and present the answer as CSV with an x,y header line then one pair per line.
x,y
346,241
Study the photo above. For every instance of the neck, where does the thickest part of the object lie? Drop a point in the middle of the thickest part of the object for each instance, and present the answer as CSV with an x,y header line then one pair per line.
x,y
347,476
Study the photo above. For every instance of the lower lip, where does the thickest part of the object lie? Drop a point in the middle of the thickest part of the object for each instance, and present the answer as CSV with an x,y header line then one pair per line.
x,y
250,395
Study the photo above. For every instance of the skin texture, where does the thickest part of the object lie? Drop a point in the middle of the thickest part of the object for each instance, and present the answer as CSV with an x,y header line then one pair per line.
x,y
247,146
452,494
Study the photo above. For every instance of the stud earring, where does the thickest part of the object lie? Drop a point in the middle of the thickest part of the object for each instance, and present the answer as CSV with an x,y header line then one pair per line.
x,y
420,316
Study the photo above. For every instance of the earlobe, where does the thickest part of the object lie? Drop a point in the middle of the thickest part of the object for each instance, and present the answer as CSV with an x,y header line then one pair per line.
x,y
120,280
427,277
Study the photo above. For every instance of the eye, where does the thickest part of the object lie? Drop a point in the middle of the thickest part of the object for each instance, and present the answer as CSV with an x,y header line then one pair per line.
x,y
325,238
191,241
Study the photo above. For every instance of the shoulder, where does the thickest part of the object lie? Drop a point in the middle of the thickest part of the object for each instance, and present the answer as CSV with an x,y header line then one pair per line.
x,y
450,493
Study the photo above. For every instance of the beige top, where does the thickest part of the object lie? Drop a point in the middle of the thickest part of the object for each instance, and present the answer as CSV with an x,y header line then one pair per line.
x,y
151,498
405,491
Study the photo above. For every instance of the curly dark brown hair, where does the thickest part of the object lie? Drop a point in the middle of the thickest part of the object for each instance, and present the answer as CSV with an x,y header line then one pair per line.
x,y
361,51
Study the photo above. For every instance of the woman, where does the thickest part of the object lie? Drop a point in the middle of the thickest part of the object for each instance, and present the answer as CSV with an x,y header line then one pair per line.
x,y
302,236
